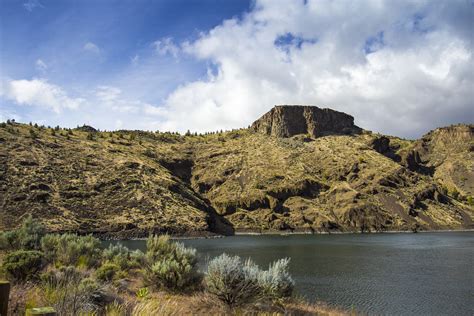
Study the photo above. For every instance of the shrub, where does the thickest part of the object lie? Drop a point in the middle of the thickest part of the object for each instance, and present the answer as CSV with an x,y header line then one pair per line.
x,y
170,265
149,153
470,200
27,237
22,264
276,282
30,233
71,292
107,271
9,240
137,258
455,193
231,280
236,282
70,249
33,134
123,257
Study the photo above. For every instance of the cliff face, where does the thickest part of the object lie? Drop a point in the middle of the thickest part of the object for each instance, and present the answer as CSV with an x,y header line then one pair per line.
x,y
290,120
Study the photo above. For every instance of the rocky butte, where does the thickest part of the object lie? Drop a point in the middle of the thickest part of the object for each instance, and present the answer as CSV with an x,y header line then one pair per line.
x,y
290,120
296,169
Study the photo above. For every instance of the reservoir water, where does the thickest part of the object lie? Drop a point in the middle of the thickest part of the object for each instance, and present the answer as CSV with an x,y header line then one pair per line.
x,y
394,274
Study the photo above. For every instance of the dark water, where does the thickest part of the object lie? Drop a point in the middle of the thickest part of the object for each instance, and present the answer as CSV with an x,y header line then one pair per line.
x,y
394,274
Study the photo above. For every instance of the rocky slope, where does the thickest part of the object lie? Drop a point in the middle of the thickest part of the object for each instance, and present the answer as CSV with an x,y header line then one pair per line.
x,y
296,169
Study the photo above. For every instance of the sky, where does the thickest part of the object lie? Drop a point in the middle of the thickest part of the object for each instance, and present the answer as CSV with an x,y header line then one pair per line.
x,y
399,67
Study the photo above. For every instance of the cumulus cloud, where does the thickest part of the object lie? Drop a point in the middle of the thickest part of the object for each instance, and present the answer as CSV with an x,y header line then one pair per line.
x,y
399,67
38,92
91,47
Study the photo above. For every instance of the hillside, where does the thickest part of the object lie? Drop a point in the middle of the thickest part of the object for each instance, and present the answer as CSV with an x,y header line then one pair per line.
x,y
295,169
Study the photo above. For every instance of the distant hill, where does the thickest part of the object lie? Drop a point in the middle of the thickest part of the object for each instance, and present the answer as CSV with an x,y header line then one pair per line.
x,y
298,168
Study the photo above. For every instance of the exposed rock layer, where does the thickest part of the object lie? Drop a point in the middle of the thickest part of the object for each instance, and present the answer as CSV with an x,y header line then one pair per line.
x,y
290,120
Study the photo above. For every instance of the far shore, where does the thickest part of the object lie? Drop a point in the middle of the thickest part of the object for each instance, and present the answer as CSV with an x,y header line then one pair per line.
x,y
284,233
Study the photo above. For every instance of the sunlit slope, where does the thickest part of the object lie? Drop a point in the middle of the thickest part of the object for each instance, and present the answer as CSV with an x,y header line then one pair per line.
x,y
331,182
132,183
96,182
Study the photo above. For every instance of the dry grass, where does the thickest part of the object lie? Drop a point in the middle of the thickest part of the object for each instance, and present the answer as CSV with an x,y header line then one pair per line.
x,y
129,183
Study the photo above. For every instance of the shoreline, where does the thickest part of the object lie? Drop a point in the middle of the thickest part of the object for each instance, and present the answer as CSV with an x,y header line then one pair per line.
x,y
277,233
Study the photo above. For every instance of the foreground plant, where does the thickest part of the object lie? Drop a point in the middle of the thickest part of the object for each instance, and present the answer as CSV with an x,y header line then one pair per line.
x,y
22,265
123,257
276,282
170,265
236,282
27,237
71,291
71,249
231,281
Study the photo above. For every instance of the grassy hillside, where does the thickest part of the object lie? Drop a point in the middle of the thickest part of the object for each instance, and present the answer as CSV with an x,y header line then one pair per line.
x,y
131,183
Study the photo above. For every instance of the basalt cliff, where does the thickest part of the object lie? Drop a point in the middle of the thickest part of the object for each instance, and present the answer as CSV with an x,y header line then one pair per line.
x,y
296,169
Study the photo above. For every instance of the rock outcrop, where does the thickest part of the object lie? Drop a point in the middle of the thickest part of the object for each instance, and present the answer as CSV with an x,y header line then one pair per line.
x,y
290,120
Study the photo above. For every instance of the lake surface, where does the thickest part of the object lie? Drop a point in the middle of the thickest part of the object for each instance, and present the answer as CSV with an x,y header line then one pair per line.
x,y
409,274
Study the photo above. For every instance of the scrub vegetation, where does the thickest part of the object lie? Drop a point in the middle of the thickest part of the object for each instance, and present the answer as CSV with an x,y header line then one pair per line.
x,y
75,275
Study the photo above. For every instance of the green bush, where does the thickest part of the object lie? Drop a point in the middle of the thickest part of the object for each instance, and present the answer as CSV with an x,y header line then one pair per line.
x,y
71,249
236,282
107,271
27,237
9,240
170,265
22,265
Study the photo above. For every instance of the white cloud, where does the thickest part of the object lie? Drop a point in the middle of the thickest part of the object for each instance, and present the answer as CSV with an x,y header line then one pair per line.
x,y
91,47
41,66
399,67
32,4
111,97
38,92
108,94
166,46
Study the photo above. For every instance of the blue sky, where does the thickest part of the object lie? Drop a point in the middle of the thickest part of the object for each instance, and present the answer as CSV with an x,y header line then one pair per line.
x,y
400,67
